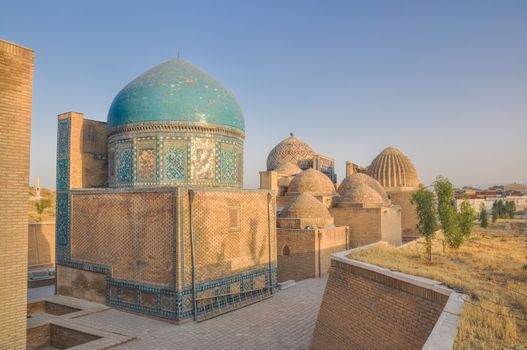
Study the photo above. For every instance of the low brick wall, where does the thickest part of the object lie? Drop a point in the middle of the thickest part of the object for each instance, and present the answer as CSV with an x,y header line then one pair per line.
x,y
41,245
368,307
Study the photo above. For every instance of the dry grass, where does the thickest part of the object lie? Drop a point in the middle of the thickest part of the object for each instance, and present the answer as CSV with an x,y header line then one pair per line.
x,y
491,268
49,213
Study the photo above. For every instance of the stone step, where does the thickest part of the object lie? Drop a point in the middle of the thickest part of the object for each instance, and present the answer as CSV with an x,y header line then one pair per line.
x,y
286,284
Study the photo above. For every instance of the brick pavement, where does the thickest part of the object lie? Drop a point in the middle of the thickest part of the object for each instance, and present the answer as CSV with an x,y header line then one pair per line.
x,y
285,321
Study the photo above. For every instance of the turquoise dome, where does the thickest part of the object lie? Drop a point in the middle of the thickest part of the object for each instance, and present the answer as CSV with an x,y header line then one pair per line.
x,y
175,91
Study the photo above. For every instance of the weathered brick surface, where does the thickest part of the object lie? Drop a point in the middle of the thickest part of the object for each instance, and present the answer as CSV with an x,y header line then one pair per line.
x,y
364,224
365,310
299,250
88,163
81,284
408,214
16,79
132,232
41,245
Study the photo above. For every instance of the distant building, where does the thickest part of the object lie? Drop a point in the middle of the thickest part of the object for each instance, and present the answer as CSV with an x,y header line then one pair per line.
x,y
516,187
314,219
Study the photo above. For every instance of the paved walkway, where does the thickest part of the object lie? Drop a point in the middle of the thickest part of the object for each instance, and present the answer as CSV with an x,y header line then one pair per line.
x,y
285,321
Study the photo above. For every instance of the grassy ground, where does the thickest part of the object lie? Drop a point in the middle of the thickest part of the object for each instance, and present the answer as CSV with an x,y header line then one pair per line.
x,y
491,268
49,213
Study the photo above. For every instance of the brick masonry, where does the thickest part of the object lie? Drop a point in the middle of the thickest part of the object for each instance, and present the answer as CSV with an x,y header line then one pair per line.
x,y
41,245
403,198
305,253
16,80
365,309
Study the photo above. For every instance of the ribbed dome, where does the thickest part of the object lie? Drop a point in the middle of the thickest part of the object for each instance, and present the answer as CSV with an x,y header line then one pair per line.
x,y
288,169
312,181
291,150
175,91
361,194
393,169
305,206
358,179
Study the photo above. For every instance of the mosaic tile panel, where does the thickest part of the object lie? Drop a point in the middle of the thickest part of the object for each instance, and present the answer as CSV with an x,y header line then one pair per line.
x,y
63,222
146,164
175,163
227,165
202,159
176,159
124,166
63,174
63,139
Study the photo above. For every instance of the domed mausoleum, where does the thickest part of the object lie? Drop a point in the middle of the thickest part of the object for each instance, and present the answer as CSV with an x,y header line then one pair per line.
x,y
360,178
394,170
151,214
293,152
306,237
397,174
175,125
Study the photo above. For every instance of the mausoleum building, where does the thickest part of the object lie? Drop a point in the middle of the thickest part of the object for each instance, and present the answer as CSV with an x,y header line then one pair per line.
x,y
152,216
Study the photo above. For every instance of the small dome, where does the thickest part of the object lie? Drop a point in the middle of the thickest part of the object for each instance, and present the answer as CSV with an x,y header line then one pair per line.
x,y
305,206
361,194
312,181
288,169
291,150
175,91
360,178
393,169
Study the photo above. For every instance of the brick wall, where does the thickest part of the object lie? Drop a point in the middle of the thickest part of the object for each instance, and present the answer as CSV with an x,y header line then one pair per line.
x,y
231,233
391,230
41,245
132,232
296,254
363,309
408,215
81,284
332,240
16,79
88,154
298,251
364,224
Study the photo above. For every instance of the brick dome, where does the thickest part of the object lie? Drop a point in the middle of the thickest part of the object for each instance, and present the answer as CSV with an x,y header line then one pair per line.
x,y
360,178
305,206
288,169
393,169
292,149
362,194
312,181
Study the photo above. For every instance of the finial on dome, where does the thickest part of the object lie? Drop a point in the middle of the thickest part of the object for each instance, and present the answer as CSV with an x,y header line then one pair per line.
x,y
178,53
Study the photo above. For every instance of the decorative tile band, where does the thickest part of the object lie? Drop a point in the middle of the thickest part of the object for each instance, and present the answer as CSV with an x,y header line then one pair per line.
x,y
175,159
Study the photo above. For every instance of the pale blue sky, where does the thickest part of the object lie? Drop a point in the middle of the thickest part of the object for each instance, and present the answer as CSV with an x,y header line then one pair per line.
x,y
444,81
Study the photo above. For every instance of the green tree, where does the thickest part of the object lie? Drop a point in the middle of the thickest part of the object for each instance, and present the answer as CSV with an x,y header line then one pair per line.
x,y
483,216
426,215
447,212
466,217
510,209
495,213
41,205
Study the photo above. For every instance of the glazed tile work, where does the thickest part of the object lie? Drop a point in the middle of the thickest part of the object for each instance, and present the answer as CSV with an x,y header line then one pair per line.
x,y
177,158
175,90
